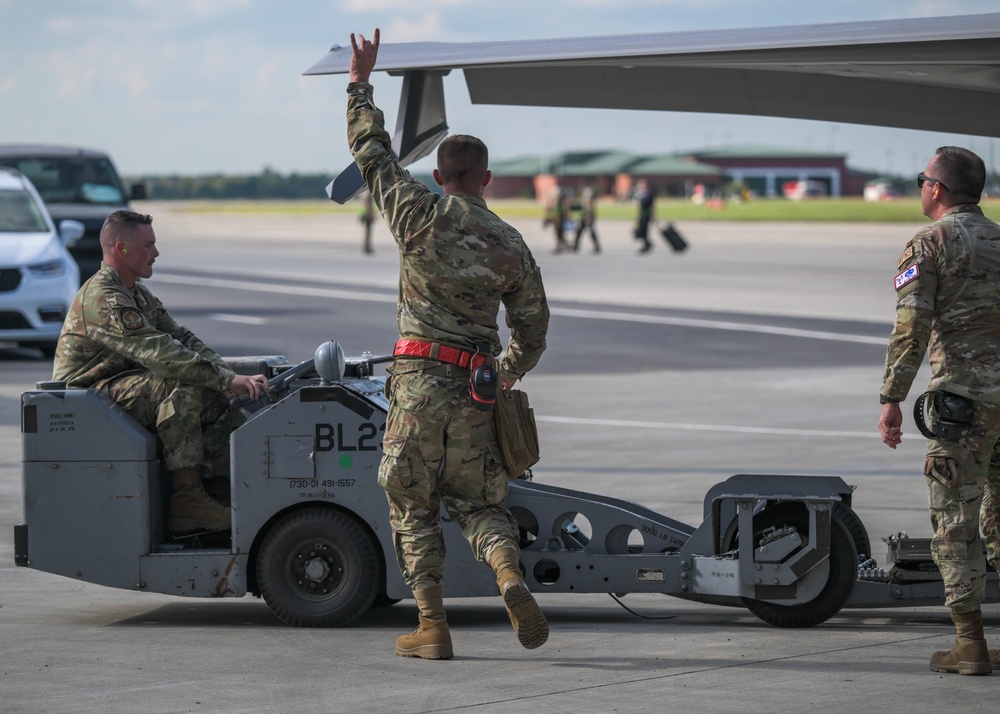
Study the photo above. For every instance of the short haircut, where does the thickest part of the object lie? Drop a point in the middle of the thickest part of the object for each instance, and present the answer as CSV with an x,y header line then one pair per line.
x,y
463,160
120,226
962,171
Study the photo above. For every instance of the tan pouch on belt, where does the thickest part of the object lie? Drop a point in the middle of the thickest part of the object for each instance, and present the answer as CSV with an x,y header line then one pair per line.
x,y
516,432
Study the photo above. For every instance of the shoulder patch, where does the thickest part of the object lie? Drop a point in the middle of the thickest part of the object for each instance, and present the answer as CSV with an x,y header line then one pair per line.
x,y
131,318
906,255
907,276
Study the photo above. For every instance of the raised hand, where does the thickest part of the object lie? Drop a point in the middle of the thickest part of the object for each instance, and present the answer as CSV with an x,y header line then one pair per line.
x,y
363,59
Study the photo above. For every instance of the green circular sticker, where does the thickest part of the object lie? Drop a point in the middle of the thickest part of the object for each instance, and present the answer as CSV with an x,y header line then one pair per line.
x,y
346,461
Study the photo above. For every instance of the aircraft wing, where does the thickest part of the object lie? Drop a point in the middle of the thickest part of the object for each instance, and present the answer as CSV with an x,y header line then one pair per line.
x,y
937,74
420,127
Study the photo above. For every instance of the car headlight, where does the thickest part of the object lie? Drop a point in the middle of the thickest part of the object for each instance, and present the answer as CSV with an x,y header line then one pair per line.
x,y
51,269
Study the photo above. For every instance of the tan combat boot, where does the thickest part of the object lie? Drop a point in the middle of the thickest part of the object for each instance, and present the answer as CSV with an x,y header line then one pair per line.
x,y
431,640
191,509
218,489
525,615
970,655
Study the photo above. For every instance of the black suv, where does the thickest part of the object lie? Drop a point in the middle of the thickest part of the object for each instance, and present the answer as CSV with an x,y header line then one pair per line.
x,y
81,184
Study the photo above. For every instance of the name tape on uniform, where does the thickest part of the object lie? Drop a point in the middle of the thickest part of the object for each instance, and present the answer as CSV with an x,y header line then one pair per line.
x,y
907,254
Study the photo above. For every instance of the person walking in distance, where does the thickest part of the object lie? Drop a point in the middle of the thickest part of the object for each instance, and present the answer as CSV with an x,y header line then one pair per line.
x,y
588,218
559,213
367,217
644,197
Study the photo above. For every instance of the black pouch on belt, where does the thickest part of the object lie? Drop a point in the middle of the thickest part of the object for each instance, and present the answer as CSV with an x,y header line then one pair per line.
x,y
483,383
949,413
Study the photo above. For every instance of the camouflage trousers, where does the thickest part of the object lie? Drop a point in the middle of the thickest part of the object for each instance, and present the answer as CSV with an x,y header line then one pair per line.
x,y
194,423
959,509
439,449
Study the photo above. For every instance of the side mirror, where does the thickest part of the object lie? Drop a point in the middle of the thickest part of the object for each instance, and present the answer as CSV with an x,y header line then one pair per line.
x,y
138,192
70,232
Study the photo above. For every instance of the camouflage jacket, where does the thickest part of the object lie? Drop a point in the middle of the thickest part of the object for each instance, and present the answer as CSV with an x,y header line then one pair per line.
x,y
457,260
112,329
948,296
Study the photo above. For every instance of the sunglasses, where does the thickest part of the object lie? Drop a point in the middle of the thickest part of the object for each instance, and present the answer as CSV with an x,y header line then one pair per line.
x,y
921,178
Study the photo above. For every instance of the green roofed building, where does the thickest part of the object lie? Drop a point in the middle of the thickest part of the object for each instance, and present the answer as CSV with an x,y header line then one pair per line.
x,y
764,170
674,175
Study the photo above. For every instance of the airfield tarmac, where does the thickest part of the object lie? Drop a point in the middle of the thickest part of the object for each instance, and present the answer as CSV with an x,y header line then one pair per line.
x,y
758,351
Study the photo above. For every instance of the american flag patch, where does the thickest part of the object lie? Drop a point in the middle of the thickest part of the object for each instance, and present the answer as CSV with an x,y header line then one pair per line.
x,y
908,275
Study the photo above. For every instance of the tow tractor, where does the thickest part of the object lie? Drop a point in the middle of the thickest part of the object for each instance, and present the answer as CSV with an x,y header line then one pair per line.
x,y
310,530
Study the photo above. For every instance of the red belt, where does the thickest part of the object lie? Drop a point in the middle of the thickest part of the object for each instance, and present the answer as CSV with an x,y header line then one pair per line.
x,y
442,353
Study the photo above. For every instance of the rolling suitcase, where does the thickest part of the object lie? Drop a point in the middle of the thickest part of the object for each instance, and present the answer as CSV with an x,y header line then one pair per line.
x,y
673,238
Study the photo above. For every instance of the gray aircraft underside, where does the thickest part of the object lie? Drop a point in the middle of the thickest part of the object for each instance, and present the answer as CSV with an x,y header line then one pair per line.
x,y
936,74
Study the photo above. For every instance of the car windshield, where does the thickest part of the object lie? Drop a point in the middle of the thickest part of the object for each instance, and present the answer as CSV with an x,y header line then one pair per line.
x,y
19,213
72,179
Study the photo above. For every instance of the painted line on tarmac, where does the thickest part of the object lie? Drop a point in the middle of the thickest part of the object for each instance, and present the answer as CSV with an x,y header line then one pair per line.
x,y
239,319
720,325
706,427
274,289
277,289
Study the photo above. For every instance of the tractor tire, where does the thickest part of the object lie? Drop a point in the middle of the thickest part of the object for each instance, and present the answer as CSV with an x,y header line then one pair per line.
x,y
318,568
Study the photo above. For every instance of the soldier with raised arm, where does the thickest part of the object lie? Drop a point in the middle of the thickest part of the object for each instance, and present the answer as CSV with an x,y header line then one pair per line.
x,y
458,263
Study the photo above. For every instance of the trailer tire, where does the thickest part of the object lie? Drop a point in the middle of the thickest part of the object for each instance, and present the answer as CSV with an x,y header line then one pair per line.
x,y
843,570
855,529
318,568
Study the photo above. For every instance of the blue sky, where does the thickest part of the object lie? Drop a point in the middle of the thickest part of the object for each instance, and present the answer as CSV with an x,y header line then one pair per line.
x,y
198,86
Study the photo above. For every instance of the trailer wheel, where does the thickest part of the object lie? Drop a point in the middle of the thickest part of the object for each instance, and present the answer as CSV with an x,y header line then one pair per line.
x,y
855,529
842,566
318,568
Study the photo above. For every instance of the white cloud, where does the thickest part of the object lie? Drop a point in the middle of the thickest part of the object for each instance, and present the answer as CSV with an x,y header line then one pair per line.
x,y
137,81
218,82
429,25
403,6
74,78
197,8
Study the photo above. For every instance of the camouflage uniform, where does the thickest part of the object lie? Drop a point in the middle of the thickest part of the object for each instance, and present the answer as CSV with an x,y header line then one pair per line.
x,y
948,295
458,262
121,341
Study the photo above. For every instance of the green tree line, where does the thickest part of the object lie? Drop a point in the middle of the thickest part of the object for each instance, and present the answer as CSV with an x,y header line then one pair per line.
x,y
268,184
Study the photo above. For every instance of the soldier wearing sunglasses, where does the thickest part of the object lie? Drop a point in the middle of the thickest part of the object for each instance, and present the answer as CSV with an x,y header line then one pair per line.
x,y
948,300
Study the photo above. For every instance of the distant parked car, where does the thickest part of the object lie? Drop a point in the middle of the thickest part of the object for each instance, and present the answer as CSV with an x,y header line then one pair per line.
x,y
79,184
798,190
882,190
38,277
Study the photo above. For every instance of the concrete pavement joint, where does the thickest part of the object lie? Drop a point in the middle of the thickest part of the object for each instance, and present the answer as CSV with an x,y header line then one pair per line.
x,y
672,675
